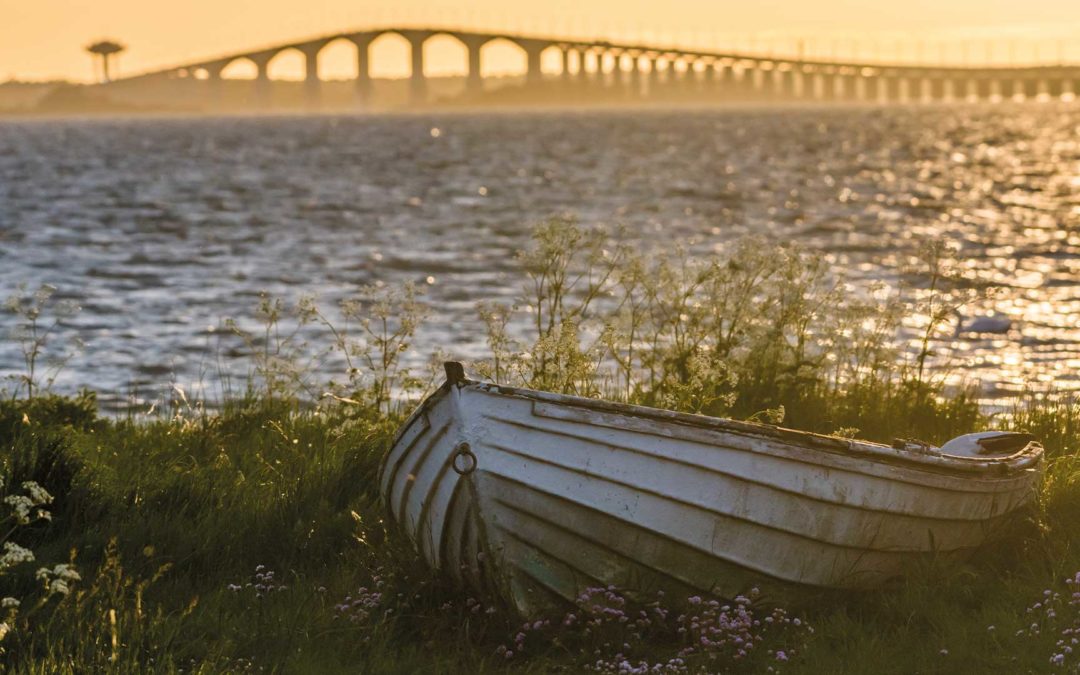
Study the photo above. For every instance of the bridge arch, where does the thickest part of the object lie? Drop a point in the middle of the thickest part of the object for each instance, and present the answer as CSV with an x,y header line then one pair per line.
x,y
288,64
608,62
239,68
390,54
503,58
591,62
551,62
337,59
446,54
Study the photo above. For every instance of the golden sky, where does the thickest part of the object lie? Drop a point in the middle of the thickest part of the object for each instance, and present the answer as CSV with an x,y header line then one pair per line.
x,y
45,38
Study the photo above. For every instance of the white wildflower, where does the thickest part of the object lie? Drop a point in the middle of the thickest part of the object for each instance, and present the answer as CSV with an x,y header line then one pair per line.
x,y
58,580
37,493
4,629
9,603
21,506
14,555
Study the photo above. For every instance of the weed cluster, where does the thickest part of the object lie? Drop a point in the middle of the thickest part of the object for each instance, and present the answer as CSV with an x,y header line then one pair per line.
x,y
762,331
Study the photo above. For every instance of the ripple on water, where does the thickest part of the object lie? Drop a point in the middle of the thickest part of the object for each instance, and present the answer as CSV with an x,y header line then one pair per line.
x,y
160,228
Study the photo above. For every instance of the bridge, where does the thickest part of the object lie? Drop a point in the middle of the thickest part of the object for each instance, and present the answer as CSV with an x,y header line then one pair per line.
x,y
642,71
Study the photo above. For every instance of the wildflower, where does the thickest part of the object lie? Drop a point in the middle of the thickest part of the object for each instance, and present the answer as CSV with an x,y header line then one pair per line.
x,y
14,555
38,494
781,655
21,506
944,652
58,580
9,603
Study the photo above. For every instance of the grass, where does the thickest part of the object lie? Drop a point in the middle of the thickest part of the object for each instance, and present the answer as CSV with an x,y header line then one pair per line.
x,y
252,538
168,516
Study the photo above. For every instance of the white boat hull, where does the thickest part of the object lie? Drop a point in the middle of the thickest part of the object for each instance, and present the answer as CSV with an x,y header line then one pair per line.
x,y
537,496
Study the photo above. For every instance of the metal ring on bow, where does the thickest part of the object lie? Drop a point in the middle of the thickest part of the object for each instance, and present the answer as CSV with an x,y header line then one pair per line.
x,y
464,459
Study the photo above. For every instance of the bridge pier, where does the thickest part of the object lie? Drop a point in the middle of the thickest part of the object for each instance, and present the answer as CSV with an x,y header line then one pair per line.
x,y
800,83
312,83
264,88
684,74
616,77
983,88
824,86
1006,89
588,71
216,85
948,89
417,81
708,77
728,78
755,80
845,86
971,90
923,90
635,76
533,50
936,89
908,89
875,88
783,77
891,90
362,84
1024,89
474,83
860,88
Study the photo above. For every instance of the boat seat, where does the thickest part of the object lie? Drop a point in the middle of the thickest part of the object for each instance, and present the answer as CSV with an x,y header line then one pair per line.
x,y
987,443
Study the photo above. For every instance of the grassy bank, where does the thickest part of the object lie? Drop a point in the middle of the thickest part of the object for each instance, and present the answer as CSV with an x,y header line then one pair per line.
x,y
174,525
251,538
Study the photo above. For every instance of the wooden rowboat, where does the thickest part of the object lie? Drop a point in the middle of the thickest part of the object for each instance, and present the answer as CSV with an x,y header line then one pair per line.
x,y
535,496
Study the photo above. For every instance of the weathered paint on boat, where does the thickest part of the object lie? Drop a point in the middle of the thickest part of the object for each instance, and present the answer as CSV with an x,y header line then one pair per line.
x,y
535,496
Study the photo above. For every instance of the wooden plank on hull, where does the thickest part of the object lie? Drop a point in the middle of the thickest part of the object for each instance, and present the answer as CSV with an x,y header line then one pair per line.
x,y
808,481
836,523
771,553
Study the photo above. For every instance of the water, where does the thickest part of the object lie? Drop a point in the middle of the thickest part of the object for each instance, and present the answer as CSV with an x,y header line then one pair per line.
x,y
162,228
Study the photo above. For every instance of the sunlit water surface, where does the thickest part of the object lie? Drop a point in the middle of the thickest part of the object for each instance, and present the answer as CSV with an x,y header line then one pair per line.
x,y
161,229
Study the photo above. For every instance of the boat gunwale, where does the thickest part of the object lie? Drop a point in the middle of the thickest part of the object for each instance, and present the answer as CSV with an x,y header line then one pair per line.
x,y
993,467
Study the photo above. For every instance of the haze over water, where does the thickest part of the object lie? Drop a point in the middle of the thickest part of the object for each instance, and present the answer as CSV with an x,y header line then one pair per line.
x,y
162,228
